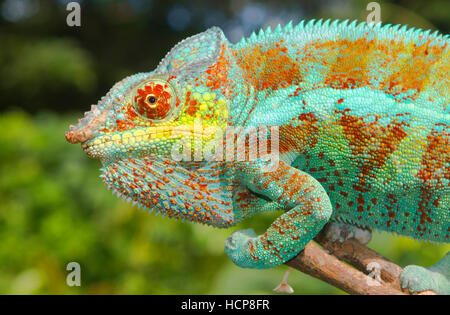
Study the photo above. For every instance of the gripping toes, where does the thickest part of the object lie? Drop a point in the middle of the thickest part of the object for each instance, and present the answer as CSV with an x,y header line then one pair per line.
x,y
436,278
238,245
418,279
338,231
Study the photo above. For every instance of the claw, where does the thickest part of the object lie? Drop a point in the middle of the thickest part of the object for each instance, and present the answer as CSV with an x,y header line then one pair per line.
x,y
374,269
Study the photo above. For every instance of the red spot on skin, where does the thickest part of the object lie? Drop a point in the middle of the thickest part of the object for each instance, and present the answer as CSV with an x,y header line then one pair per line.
x,y
124,125
340,101
192,104
192,109
360,199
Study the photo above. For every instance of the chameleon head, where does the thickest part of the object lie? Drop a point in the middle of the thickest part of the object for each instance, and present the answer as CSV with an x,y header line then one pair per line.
x,y
139,114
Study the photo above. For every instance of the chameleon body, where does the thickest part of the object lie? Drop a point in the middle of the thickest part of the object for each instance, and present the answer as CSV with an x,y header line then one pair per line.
x,y
362,120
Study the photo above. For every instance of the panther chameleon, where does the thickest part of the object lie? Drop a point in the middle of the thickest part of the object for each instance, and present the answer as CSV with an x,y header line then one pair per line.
x,y
358,123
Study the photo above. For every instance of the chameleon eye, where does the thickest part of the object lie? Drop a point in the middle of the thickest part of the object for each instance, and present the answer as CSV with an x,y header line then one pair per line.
x,y
155,99
151,99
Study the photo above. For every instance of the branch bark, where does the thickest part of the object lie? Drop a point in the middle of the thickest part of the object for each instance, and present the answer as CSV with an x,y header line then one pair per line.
x,y
317,263
364,259
356,277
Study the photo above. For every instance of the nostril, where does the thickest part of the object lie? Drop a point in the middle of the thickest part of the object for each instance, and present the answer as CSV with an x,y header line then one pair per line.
x,y
77,136
70,137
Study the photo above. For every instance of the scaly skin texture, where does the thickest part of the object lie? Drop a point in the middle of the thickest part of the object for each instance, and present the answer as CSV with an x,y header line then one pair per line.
x,y
362,115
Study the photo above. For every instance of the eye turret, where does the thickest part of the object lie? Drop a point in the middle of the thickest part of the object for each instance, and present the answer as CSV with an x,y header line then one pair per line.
x,y
155,99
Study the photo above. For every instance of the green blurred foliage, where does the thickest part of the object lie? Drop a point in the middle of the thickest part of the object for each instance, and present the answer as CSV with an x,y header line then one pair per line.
x,y
54,208
46,64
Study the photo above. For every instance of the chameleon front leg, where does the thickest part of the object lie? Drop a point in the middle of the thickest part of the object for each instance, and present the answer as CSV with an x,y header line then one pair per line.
x,y
307,206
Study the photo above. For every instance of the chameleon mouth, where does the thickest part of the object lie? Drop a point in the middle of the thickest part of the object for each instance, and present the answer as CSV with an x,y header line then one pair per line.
x,y
127,142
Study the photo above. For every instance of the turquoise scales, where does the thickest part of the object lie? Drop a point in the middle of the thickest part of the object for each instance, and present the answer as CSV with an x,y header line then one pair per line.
x,y
363,127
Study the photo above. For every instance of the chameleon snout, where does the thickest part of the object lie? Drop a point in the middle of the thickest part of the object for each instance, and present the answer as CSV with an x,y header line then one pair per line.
x,y
78,136
86,126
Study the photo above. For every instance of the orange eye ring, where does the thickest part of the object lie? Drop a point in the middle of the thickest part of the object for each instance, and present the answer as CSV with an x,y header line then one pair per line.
x,y
155,99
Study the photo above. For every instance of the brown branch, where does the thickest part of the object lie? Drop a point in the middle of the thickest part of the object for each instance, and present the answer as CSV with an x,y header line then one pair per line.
x,y
315,262
364,259
329,268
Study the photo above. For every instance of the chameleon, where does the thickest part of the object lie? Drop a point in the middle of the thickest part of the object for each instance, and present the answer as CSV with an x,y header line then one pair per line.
x,y
350,122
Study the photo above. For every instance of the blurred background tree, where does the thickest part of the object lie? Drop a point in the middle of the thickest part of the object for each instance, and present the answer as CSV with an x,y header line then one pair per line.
x,y
53,207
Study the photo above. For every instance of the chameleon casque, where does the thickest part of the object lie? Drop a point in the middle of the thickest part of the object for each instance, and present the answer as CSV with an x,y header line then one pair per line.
x,y
362,117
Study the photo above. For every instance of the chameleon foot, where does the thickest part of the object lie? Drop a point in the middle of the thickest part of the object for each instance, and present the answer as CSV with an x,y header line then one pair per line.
x,y
284,287
436,278
236,243
337,231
